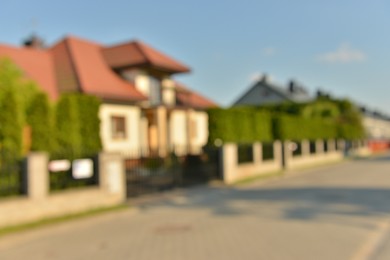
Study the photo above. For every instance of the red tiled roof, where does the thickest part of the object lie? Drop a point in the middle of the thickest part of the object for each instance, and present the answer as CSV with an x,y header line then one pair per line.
x,y
37,65
82,61
137,53
75,65
192,99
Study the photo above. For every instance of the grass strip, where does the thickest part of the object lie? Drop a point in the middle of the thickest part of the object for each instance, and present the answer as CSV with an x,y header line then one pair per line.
x,y
60,219
259,177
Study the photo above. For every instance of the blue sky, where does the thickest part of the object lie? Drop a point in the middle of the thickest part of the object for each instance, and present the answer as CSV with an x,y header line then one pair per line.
x,y
340,46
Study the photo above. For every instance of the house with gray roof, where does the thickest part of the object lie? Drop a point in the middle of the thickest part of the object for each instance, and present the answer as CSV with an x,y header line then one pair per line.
x,y
266,92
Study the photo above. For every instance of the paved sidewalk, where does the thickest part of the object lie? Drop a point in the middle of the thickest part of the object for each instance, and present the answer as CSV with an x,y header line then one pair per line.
x,y
336,212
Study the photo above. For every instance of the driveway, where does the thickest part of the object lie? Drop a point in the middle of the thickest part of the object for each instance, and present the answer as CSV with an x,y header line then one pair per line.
x,y
333,212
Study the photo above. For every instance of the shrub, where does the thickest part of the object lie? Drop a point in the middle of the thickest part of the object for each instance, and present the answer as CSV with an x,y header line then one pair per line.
x,y
39,117
288,127
88,114
78,126
67,127
241,125
10,124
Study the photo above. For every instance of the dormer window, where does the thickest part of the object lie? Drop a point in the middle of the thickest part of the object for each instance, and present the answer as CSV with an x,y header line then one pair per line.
x,y
154,91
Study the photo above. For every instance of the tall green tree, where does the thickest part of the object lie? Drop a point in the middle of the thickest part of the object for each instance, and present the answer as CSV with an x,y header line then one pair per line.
x,y
88,113
11,125
40,119
67,127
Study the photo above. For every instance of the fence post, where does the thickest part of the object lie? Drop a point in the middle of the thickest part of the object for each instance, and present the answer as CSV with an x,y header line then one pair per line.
x,y
331,145
305,147
229,162
287,154
278,156
257,153
36,175
319,146
112,178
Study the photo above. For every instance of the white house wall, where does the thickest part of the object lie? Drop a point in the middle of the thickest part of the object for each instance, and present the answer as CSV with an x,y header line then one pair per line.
x,y
168,93
130,145
376,128
178,131
202,131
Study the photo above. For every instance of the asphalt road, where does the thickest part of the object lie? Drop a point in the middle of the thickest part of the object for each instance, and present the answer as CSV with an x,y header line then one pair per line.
x,y
333,212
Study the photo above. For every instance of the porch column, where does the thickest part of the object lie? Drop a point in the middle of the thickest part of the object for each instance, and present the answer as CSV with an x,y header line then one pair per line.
x,y
162,132
188,129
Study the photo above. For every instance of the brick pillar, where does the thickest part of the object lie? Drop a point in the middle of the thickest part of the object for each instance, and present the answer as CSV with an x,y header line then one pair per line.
x,y
319,146
162,128
257,153
229,162
305,146
278,152
112,178
287,154
331,145
36,175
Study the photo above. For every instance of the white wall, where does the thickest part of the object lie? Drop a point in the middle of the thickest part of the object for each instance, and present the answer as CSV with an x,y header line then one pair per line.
x,y
178,131
168,93
202,130
376,128
234,171
130,145
139,79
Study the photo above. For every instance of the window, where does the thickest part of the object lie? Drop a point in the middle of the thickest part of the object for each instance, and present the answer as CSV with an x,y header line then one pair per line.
x,y
118,127
154,91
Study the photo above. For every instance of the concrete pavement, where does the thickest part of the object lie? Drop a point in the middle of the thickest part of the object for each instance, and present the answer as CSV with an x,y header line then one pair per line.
x,y
335,212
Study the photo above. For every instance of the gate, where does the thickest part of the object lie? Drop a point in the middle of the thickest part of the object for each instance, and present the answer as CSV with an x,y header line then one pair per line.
x,y
154,174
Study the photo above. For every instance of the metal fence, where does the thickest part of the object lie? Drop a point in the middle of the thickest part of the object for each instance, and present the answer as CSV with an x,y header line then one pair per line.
x,y
267,151
153,174
11,183
326,146
312,147
245,153
296,148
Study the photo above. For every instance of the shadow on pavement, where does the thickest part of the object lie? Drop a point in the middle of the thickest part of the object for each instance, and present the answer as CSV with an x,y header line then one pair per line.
x,y
292,203
308,201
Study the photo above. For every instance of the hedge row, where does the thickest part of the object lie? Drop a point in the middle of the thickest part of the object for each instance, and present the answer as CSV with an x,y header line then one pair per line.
x,y
316,120
11,125
40,119
288,127
68,129
77,126
239,125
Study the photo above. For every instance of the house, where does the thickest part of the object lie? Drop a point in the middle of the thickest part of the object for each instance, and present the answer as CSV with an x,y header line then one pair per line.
x,y
266,92
377,124
144,111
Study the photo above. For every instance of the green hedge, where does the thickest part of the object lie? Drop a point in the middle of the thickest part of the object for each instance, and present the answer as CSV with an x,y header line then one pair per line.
x,y
88,110
77,126
40,119
67,127
70,129
243,125
11,124
321,119
288,127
